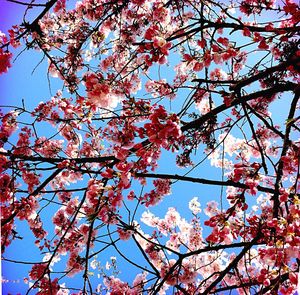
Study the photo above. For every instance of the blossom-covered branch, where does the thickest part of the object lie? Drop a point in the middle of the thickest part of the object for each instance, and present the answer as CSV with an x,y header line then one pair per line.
x,y
151,99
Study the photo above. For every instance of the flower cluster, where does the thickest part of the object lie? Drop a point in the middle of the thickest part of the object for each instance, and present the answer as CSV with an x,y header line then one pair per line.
x,y
162,188
227,65
164,129
99,92
5,61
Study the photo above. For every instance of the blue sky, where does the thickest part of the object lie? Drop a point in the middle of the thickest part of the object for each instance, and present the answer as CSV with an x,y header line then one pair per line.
x,y
20,84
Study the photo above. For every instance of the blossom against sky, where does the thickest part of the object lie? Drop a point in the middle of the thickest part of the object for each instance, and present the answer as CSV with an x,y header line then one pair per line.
x,y
143,149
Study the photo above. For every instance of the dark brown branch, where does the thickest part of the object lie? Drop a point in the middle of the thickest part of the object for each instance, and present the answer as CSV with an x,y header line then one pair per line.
x,y
289,86
66,230
263,161
26,3
235,27
45,182
35,24
99,159
34,193
232,264
214,81
220,247
264,73
234,287
285,148
23,262
203,181
275,282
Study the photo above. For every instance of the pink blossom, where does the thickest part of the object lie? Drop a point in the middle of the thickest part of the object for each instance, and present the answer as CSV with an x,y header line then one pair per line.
x,y
99,92
124,234
5,61
38,271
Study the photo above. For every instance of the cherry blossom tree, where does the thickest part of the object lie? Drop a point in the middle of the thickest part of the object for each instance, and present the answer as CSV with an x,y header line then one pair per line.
x,y
193,82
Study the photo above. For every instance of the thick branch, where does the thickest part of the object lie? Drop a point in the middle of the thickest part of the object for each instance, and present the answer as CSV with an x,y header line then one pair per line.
x,y
232,264
265,73
284,152
34,26
99,159
263,93
34,193
203,181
